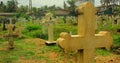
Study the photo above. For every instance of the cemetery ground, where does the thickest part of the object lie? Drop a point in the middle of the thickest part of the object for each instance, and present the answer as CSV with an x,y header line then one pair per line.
x,y
31,47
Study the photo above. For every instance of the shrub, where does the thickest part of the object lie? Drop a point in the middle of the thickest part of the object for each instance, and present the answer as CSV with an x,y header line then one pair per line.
x,y
116,40
39,34
33,27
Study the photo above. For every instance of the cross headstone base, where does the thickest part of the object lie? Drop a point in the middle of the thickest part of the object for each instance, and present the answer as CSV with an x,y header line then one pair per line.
x,y
48,43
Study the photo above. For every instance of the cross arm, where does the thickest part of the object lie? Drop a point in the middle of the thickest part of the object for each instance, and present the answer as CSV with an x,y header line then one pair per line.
x,y
103,39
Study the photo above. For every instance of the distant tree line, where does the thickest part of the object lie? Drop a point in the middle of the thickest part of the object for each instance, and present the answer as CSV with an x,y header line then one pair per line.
x,y
12,6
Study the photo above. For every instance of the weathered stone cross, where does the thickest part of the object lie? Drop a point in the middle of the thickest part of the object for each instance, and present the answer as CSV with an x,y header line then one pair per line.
x,y
10,34
49,23
86,41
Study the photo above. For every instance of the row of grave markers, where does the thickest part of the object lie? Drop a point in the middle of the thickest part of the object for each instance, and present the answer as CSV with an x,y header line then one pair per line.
x,y
104,20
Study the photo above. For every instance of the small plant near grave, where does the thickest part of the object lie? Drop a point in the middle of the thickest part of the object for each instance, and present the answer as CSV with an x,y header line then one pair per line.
x,y
38,34
103,52
116,40
33,27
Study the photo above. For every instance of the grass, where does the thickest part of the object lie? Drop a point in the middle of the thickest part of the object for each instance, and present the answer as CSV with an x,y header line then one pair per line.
x,y
21,49
103,52
116,40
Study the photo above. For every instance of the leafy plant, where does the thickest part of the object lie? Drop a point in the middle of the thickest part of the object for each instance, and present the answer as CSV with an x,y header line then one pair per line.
x,y
33,27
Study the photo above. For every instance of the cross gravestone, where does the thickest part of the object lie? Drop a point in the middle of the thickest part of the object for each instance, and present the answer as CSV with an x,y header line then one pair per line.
x,y
49,23
24,22
118,20
18,31
115,20
118,23
67,19
44,25
55,20
10,34
86,41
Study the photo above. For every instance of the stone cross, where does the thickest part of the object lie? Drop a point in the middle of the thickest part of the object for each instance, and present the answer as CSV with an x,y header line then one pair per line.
x,y
118,23
67,20
86,41
55,20
44,25
10,34
18,31
115,20
49,23
24,22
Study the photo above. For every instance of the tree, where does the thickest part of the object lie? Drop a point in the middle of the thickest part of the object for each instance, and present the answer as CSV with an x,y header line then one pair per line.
x,y
72,6
23,9
34,10
2,7
65,6
12,6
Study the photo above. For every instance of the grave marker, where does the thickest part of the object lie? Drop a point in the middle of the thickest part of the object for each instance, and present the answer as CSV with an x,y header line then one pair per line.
x,y
10,34
24,22
86,41
44,25
115,20
49,22
55,20
118,23
18,31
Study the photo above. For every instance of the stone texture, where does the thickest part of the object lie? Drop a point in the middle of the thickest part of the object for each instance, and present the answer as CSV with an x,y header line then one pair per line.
x,y
47,21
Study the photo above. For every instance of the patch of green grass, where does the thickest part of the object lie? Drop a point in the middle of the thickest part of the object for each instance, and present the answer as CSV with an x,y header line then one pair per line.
x,y
64,28
42,57
116,40
33,27
103,52
46,49
22,49
8,56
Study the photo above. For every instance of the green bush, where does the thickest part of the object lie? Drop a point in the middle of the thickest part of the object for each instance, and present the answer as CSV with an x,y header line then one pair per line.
x,y
116,40
38,34
103,52
64,28
33,27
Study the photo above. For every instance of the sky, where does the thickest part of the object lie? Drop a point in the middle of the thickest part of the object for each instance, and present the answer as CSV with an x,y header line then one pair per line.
x,y
39,3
